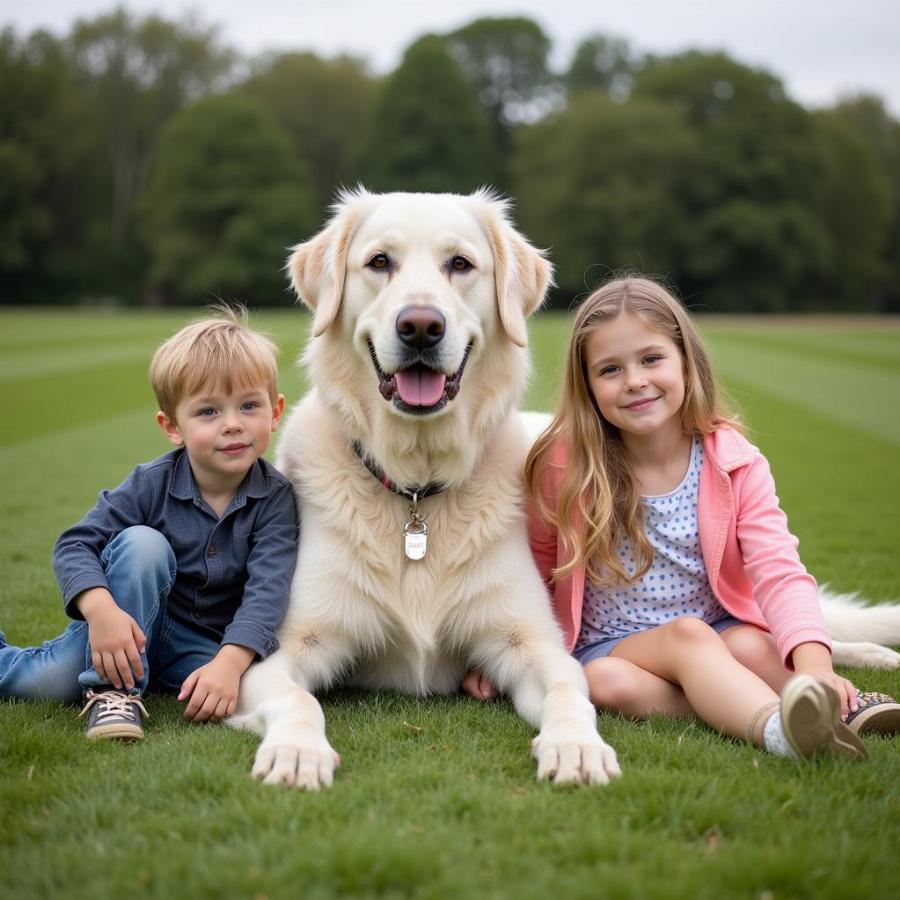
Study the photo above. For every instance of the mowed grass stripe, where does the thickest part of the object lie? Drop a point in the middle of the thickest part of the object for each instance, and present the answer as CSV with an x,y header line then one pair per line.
x,y
33,330
41,406
21,364
863,398
838,488
880,336
828,348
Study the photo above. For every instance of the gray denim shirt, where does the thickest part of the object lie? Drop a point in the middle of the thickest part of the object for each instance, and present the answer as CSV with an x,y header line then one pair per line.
x,y
233,573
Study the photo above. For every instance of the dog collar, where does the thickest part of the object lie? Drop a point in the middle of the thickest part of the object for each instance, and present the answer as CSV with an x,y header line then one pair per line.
x,y
413,493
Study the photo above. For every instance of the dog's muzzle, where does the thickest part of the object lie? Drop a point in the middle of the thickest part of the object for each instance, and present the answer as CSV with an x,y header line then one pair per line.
x,y
419,387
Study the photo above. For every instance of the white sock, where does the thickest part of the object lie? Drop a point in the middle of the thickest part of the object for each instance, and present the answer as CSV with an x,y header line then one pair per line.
x,y
774,738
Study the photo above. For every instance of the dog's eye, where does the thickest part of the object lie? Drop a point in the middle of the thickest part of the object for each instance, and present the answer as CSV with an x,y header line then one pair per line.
x,y
379,262
460,264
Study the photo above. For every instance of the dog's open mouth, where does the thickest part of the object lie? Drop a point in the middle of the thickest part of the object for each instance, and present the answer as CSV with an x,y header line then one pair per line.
x,y
419,389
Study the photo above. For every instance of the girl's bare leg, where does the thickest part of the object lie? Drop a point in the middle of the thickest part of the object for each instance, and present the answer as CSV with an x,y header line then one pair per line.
x,y
687,652
755,649
617,685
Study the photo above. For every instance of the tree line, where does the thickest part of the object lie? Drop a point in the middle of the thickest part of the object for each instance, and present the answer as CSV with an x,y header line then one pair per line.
x,y
143,160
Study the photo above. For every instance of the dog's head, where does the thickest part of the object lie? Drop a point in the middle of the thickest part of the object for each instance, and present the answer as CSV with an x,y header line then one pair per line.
x,y
419,303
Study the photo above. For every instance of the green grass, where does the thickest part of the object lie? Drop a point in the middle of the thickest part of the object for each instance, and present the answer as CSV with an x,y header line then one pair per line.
x,y
437,798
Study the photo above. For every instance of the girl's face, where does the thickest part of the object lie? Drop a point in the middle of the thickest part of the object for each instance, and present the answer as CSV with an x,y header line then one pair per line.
x,y
636,375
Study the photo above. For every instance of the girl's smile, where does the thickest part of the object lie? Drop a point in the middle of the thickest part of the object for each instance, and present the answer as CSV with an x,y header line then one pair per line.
x,y
641,404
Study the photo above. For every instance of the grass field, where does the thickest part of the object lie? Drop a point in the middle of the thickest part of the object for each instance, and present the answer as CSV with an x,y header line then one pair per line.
x,y
437,798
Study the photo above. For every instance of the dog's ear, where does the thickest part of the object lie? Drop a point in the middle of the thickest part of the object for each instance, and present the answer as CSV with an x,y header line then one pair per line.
x,y
521,274
318,266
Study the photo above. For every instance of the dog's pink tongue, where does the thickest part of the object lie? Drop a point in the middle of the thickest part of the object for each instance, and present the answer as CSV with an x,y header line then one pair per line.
x,y
420,386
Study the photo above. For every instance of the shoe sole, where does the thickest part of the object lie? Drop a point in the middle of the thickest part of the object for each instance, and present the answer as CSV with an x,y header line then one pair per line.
x,y
811,717
882,719
115,732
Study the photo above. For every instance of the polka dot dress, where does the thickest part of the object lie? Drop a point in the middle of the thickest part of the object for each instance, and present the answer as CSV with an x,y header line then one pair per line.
x,y
676,583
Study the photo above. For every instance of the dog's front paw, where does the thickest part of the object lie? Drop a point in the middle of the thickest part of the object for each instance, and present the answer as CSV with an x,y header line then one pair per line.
x,y
306,763
579,759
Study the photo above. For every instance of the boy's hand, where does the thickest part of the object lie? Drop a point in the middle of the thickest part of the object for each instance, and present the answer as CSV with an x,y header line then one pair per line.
x,y
116,639
814,659
213,688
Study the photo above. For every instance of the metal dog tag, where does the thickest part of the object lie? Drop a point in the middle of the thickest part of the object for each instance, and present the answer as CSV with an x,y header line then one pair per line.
x,y
415,538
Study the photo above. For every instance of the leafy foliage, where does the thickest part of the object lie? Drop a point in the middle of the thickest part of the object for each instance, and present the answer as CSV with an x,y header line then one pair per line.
x,y
427,132
323,106
603,63
49,186
694,166
755,239
139,74
227,199
600,184
506,61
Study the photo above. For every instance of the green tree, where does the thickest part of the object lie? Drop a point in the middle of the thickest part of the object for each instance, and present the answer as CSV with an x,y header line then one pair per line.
x,y
603,63
856,205
427,131
138,74
754,239
323,106
226,200
52,174
505,60
601,184
870,122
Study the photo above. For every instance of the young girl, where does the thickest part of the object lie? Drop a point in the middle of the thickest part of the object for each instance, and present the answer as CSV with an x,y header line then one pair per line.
x,y
656,527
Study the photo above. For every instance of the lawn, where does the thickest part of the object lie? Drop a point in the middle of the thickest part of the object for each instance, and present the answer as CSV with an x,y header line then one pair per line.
x,y
437,798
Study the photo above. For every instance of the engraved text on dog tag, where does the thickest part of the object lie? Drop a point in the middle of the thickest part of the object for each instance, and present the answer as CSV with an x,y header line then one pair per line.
x,y
415,538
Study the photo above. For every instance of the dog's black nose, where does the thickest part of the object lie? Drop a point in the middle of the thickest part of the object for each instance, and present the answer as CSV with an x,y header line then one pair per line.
x,y
420,327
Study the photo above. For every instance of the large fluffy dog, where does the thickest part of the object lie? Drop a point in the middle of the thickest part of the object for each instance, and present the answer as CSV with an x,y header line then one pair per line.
x,y
409,446
406,457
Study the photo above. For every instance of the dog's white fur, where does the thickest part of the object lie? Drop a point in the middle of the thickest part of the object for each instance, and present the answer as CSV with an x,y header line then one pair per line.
x,y
360,611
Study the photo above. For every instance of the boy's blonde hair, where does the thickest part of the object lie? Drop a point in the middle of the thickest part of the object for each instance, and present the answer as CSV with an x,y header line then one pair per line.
x,y
598,486
221,351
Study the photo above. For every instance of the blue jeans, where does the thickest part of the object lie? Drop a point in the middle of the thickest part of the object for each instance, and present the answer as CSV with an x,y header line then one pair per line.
x,y
140,570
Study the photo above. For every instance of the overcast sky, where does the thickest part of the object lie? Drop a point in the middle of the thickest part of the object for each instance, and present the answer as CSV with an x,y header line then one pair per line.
x,y
821,49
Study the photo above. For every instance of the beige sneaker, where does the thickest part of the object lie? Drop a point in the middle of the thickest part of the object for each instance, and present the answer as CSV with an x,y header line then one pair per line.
x,y
113,714
811,718
878,713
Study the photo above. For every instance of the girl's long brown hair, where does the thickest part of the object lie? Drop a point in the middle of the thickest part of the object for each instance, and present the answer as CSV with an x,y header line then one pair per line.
x,y
598,487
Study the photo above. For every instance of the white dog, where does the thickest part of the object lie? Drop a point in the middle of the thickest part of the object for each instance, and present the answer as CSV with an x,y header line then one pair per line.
x,y
406,457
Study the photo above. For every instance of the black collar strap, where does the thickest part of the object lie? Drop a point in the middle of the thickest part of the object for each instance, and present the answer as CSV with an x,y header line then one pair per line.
x,y
420,493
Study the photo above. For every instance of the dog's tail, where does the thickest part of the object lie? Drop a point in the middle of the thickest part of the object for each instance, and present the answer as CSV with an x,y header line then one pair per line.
x,y
849,618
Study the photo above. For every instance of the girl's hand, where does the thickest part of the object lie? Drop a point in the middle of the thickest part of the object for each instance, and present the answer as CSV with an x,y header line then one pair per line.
x,y
116,645
846,691
477,685
814,659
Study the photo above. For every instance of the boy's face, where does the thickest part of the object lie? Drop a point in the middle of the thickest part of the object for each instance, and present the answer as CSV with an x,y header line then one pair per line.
x,y
224,433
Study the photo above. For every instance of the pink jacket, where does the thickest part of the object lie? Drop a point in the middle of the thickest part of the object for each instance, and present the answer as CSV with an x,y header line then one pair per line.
x,y
751,557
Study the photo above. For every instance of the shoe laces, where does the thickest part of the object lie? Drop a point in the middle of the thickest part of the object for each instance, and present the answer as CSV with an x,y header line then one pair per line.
x,y
114,704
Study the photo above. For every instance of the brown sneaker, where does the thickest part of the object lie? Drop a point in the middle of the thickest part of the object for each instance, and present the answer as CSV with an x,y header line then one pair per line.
x,y
877,713
113,714
811,718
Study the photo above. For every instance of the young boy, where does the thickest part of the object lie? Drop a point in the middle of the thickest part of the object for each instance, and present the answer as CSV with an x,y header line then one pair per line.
x,y
179,577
